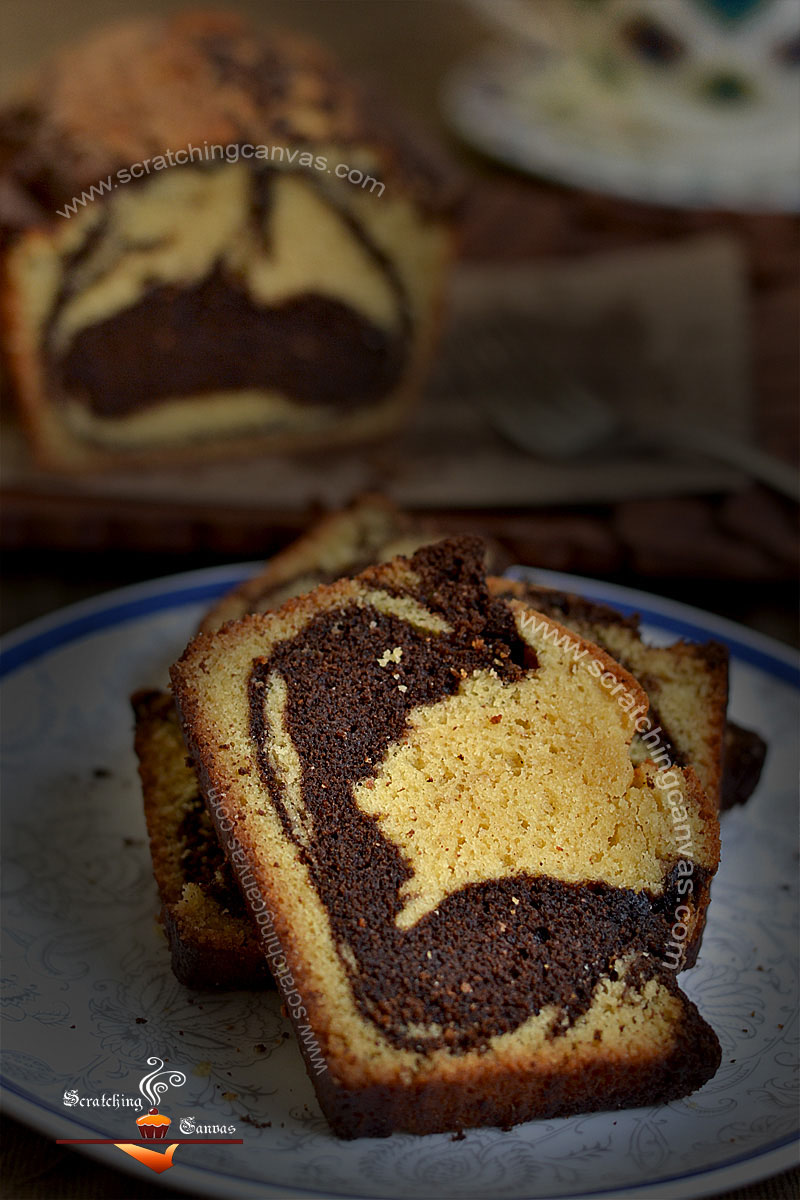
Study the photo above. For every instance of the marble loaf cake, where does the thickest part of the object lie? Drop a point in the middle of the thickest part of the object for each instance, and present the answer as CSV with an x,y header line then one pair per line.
x,y
215,243
211,940
434,809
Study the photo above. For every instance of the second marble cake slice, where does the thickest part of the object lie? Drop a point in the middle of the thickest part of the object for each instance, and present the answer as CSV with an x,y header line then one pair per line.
x,y
433,815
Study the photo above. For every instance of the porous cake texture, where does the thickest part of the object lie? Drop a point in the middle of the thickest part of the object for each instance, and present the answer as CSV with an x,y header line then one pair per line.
x,y
254,260
686,682
472,883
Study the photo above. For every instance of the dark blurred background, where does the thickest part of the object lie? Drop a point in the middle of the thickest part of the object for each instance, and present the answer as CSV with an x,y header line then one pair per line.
x,y
588,277
670,519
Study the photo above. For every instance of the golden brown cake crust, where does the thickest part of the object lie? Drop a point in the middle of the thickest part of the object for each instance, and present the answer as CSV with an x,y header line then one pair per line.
x,y
212,941
502,1096
195,77
342,543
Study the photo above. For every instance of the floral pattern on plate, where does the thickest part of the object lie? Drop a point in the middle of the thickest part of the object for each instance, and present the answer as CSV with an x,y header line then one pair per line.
x,y
87,994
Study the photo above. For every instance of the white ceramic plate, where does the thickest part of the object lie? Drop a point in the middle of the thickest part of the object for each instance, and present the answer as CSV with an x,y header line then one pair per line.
x,y
531,113
88,996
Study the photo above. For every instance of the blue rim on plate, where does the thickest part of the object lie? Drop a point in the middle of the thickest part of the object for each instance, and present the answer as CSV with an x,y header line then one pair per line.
x,y
47,633
39,638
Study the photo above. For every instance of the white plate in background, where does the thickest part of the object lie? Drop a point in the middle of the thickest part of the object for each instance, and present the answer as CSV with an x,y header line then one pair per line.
x,y
534,113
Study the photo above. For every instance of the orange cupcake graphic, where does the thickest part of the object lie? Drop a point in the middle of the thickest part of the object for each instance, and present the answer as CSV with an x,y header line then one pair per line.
x,y
154,1125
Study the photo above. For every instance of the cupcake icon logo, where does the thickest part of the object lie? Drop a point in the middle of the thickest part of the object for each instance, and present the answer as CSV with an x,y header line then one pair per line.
x,y
153,1126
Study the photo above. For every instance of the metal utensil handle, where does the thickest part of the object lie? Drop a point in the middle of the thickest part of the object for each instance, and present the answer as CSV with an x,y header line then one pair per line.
x,y
780,476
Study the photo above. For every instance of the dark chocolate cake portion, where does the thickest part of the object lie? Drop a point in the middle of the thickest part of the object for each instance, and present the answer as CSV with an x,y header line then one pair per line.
x,y
459,879
744,758
315,350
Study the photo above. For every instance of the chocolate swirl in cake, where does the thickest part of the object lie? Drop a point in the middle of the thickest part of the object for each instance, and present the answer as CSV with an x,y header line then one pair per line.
x,y
454,977
203,860
313,348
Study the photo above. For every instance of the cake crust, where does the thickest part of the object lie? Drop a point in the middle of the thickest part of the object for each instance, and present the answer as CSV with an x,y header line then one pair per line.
x,y
212,940
196,77
370,530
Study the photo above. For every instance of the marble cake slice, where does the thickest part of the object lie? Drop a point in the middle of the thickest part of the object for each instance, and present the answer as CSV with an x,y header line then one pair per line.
x,y
193,275
433,816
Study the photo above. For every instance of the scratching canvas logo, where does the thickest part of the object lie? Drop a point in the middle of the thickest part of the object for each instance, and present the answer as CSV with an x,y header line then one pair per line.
x,y
153,1126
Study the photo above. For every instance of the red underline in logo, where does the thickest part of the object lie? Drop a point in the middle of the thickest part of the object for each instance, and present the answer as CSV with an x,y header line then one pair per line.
x,y
151,1142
